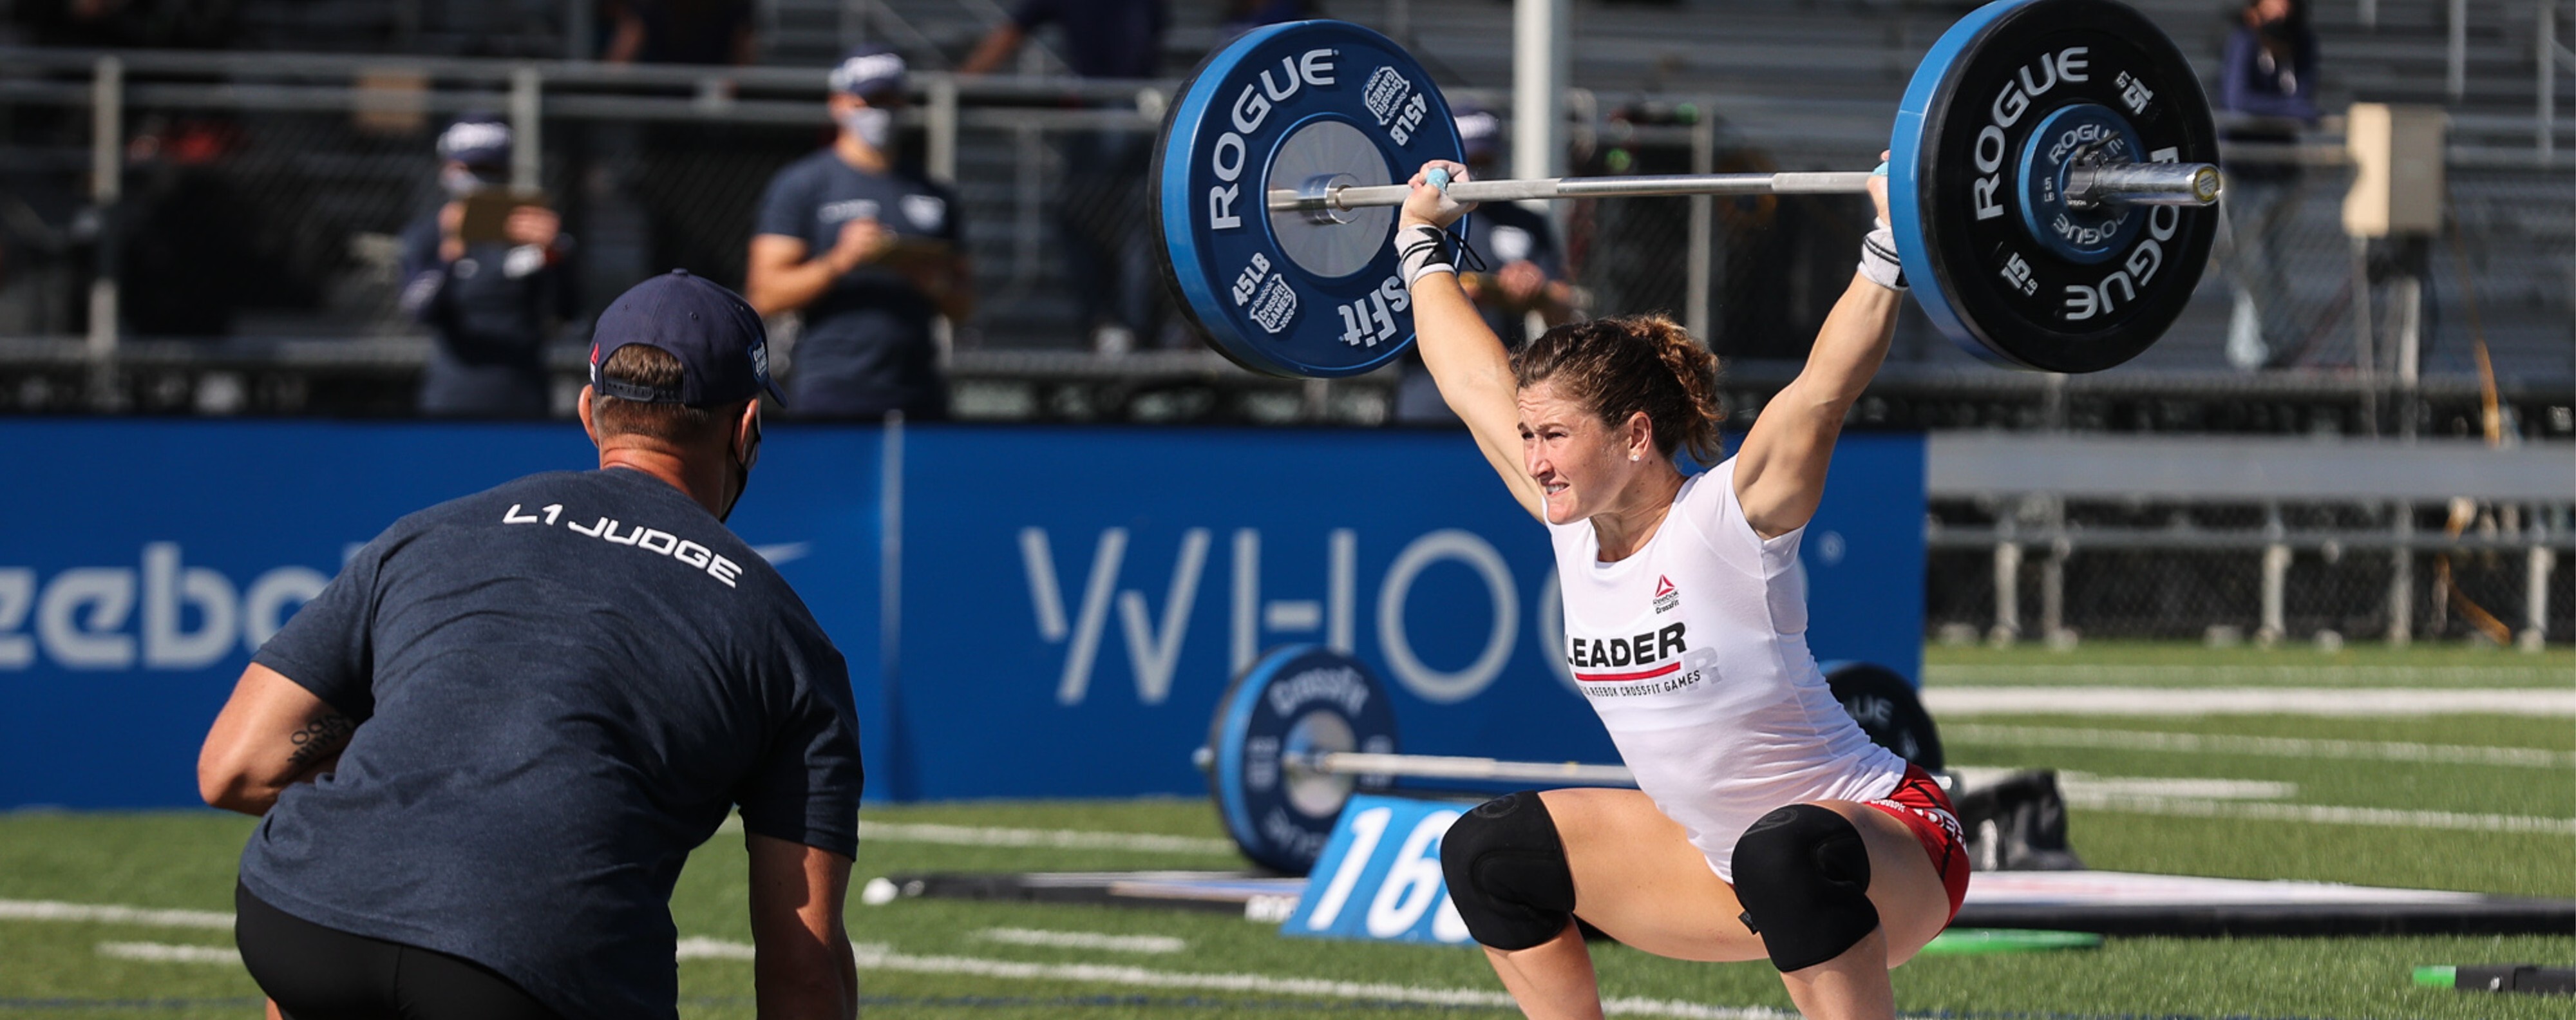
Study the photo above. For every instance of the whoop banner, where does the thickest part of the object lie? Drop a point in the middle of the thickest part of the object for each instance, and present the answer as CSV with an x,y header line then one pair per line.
x,y
1026,611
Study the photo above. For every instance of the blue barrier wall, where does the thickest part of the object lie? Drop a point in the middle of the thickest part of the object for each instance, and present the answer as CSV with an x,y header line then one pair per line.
x,y
1065,607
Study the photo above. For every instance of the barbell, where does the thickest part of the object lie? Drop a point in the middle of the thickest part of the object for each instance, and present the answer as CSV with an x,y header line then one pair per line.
x,y
2049,178
1304,727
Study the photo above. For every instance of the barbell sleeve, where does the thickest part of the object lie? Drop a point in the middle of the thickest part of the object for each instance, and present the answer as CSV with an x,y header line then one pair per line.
x,y
1420,766
2144,183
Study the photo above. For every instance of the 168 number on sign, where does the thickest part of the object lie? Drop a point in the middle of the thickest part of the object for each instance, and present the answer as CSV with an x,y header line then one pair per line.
x,y
1379,877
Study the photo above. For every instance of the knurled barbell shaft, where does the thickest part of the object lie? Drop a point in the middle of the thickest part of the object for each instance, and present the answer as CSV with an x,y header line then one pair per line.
x,y
2165,183
1422,766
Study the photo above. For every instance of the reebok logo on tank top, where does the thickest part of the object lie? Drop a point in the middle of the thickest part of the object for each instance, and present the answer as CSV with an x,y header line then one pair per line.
x,y
1666,596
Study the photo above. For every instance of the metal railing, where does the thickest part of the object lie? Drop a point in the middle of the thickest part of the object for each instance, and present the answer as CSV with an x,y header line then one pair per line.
x,y
2550,59
2277,538
321,127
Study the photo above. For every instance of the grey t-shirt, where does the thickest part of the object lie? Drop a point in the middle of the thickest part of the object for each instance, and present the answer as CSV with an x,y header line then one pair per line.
x,y
562,685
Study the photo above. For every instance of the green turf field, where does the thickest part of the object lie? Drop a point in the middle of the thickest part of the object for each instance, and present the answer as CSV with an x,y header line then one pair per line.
x,y
2469,781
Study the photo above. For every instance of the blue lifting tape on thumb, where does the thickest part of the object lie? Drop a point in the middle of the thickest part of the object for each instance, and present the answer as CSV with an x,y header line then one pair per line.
x,y
1437,177
1880,172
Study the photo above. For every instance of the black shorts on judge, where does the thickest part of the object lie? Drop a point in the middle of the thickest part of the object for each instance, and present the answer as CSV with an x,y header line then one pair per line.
x,y
318,973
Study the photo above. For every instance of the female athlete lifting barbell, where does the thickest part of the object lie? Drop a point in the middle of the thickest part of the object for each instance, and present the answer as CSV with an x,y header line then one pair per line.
x,y
1765,823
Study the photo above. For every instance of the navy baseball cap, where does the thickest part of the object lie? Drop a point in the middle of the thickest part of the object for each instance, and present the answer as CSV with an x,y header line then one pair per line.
x,y
476,139
869,70
723,350
1479,131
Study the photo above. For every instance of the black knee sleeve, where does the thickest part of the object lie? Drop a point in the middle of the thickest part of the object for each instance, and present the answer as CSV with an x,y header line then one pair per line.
x,y
1802,874
1507,874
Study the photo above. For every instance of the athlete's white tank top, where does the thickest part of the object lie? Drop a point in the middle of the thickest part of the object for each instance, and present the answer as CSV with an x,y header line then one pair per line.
x,y
1694,651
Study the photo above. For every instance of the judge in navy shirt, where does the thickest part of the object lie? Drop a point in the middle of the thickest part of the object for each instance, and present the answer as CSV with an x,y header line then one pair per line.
x,y
483,753
868,253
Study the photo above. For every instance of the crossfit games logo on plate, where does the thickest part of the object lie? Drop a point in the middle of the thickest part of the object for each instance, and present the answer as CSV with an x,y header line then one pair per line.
x,y
1276,306
1391,97
1385,94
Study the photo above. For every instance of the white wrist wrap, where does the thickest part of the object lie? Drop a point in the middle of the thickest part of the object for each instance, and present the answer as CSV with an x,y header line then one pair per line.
x,y
1423,249
1878,258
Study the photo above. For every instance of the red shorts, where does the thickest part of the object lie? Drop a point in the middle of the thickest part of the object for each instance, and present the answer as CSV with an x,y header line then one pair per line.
x,y
1920,804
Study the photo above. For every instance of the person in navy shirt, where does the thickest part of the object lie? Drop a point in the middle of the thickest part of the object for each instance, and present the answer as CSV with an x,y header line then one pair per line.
x,y
1102,38
2269,81
868,253
483,753
1525,275
1112,260
492,303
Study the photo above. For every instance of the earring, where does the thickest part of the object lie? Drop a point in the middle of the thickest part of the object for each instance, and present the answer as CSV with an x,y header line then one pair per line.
x,y
1632,456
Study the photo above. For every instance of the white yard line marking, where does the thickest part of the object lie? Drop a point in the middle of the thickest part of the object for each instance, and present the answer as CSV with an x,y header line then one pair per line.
x,y
1085,940
2082,785
2233,676
2261,747
877,956
1062,839
881,957
2385,818
700,947
1067,839
2079,786
48,910
163,952
1957,702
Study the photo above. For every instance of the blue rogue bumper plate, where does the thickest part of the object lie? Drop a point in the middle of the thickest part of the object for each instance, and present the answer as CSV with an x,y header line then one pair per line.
x,y
1292,106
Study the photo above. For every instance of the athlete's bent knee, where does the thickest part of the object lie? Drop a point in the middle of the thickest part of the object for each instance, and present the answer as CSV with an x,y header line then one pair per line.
x,y
1507,872
1802,874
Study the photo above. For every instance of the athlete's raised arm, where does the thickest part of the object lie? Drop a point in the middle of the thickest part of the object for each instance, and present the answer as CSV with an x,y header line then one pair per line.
x,y
1465,358
1780,468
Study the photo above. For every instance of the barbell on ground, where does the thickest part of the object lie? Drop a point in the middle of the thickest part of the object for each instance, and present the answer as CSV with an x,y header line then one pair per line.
x,y
2050,169
1304,727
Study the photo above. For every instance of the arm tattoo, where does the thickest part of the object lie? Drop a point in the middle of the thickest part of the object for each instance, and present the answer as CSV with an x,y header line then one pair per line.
x,y
320,739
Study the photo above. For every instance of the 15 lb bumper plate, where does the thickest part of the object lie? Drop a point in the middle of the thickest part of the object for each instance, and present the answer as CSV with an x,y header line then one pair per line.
x,y
1300,701
2012,103
1309,106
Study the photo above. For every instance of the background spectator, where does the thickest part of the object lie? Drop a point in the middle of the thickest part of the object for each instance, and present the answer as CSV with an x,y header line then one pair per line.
x,y
492,300
867,252
1111,256
680,32
2270,80
191,252
1245,15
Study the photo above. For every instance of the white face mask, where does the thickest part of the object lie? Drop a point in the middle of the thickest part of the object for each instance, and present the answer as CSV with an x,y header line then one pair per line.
x,y
460,181
872,125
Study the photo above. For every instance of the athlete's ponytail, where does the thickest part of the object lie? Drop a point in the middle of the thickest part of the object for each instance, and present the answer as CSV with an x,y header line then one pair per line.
x,y
1624,365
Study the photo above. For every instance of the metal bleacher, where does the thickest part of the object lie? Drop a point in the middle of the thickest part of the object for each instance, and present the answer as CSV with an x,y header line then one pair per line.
x,y
1806,84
